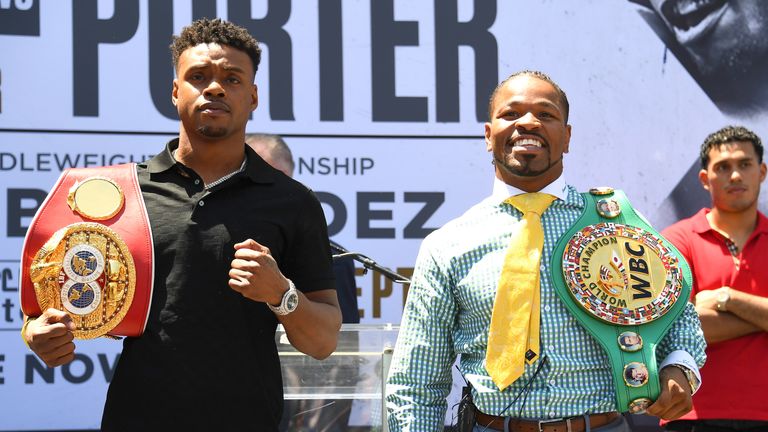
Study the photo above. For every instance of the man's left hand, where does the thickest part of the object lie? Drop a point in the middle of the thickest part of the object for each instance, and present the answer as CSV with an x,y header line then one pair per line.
x,y
255,273
675,398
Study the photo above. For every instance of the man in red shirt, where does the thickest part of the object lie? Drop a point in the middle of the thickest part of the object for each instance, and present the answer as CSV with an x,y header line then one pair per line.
x,y
726,247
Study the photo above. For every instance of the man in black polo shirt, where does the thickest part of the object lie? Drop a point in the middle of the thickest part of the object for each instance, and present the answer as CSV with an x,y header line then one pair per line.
x,y
316,414
232,238
275,151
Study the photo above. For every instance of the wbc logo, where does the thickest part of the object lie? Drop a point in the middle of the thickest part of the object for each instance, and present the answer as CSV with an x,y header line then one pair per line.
x,y
621,274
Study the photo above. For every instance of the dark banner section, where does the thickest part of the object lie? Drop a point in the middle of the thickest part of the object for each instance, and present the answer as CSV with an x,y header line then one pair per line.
x,y
20,17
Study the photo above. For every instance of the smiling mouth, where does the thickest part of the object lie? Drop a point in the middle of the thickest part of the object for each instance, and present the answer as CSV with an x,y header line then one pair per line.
x,y
528,143
691,19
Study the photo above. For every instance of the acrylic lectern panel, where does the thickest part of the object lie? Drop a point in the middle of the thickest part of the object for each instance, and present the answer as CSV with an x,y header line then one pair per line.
x,y
344,392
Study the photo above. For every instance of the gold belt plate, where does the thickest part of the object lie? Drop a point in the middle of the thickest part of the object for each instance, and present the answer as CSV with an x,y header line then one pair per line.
x,y
621,274
86,270
96,198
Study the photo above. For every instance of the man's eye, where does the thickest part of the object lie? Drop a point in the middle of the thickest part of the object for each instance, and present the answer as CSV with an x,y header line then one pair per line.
x,y
234,80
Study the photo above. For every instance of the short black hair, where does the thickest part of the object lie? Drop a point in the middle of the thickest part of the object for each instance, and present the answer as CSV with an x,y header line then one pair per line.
x,y
726,135
206,31
535,74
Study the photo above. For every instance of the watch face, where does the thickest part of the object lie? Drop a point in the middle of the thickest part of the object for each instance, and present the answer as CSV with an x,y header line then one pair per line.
x,y
292,301
722,300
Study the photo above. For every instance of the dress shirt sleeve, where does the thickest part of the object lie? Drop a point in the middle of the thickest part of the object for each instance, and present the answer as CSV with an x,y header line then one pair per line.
x,y
420,373
685,334
682,358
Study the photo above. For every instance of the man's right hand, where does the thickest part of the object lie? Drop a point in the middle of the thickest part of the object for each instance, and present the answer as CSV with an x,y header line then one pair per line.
x,y
50,337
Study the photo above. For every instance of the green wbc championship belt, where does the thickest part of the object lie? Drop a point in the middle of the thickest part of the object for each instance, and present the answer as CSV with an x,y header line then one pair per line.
x,y
625,285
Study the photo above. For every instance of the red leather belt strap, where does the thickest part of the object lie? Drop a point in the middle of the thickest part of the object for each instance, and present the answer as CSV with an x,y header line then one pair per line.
x,y
131,224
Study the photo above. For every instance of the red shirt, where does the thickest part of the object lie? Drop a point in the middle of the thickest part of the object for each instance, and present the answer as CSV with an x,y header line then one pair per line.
x,y
735,376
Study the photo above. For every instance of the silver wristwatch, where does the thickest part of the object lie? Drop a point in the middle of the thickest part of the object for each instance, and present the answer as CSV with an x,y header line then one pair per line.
x,y
722,300
289,303
690,376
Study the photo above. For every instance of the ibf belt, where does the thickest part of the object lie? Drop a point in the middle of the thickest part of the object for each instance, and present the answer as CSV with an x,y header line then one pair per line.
x,y
625,285
88,252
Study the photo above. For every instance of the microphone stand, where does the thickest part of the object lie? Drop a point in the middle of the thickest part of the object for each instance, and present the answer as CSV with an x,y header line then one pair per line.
x,y
368,264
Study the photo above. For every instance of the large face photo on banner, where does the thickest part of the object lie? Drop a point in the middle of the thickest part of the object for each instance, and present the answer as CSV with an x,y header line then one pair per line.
x,y
383,104
723,45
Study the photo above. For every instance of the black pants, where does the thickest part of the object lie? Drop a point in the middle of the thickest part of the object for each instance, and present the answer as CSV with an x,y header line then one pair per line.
x,y
717,426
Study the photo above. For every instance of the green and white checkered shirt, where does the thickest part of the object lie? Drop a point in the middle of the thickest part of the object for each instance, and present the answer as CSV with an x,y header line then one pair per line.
x,y
448,313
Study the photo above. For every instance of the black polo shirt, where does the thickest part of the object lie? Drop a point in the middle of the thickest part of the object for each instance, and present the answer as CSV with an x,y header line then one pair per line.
x,y
207,359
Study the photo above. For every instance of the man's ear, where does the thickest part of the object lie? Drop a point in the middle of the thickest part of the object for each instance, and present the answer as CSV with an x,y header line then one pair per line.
x,y
704,179
175,91
567,145
254,97
488,145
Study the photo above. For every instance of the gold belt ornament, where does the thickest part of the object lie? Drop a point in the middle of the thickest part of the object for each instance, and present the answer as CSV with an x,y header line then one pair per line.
x,y
621,274
86,270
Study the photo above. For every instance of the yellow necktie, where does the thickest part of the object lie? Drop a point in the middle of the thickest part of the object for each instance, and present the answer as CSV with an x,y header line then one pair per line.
x,y
514,334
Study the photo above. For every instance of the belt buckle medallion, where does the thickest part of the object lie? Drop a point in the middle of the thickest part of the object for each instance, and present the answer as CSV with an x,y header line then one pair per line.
x,y
87,270
621,274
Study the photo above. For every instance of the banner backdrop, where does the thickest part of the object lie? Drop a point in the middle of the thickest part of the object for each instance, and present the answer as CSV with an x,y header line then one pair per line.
x,y
383,104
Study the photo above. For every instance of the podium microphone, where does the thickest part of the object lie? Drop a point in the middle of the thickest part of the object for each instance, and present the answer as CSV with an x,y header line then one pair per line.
x,y
368,264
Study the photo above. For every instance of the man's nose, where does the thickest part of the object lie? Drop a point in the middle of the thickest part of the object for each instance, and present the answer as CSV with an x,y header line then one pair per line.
x,y
528,121
214,89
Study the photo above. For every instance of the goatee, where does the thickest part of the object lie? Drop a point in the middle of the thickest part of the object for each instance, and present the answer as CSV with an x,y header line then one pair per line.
x,y
212,132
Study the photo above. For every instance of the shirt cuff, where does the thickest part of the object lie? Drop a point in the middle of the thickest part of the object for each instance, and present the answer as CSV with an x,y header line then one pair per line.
x,y
682,358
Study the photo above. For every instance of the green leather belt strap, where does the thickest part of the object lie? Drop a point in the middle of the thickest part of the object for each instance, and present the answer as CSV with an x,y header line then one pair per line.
x,y
627,329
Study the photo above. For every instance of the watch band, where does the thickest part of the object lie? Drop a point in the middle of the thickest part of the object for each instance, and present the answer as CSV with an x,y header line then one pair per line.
x,y
288,303
693,381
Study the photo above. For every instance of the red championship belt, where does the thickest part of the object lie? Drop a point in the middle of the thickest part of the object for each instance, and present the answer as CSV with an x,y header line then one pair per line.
x,y
89,253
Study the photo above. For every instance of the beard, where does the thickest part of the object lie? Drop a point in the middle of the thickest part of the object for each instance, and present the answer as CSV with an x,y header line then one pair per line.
x,y
212,132
523,168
